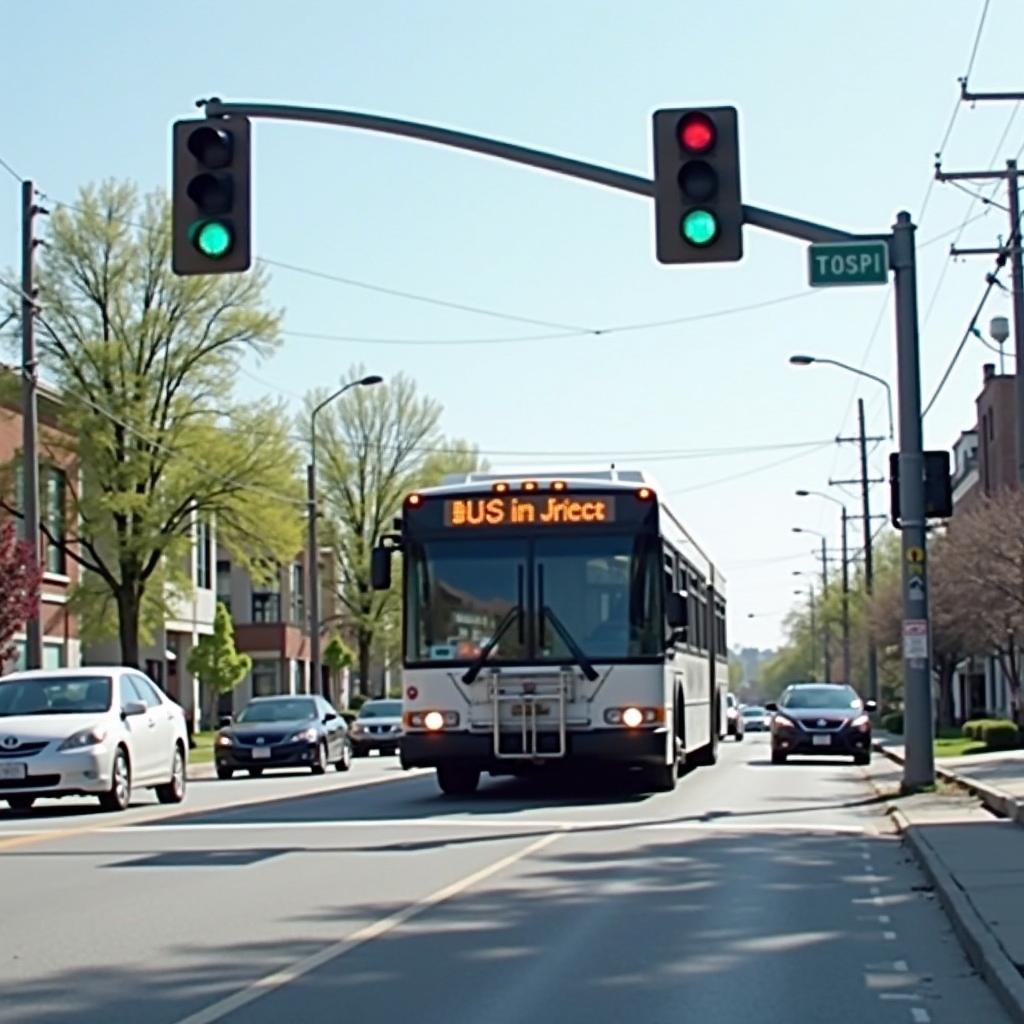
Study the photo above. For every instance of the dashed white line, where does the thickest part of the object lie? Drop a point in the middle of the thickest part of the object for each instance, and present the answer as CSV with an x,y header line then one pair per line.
x,y
920,1015
884,919
889,936
901,966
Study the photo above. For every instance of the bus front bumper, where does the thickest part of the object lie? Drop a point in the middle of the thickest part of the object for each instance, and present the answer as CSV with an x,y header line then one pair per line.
x,y
624,747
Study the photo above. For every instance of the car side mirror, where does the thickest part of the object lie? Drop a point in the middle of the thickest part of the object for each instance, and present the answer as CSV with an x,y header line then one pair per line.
x,y
676,611
224,721
871,705
132,708
329,717
771,706
380,569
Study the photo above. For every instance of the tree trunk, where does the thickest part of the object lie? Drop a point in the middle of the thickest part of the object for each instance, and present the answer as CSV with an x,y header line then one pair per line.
x,y
364,643
946,669
128,613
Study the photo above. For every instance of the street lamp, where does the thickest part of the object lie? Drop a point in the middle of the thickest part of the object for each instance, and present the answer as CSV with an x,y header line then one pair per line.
x,y
846,577
314,550
824,596
807,360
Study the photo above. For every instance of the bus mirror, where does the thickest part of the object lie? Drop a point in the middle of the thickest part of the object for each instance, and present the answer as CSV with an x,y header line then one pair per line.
x,y
380,569
676,611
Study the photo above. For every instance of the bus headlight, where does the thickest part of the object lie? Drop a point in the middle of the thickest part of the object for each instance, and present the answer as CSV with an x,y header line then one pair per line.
x,y
632,717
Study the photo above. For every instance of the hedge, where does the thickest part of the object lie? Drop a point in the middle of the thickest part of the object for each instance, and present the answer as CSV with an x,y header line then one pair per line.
x,y
995,733
893,722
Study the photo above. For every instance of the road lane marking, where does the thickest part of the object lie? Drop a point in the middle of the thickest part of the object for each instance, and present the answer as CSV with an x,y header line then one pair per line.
x,y
884,919
920,1015
889,936
220,1009
901,965
24,838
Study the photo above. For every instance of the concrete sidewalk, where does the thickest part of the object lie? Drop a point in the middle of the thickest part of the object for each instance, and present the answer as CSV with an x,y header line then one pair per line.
x,y
975,861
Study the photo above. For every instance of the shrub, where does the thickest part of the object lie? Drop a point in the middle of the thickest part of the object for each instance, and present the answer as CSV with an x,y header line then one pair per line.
x,y
893,722
1000,735
356,701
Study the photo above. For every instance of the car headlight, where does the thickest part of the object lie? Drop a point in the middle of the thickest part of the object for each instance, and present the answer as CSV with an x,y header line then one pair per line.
x,y
224,740
782,722
309,735
861,722
91,737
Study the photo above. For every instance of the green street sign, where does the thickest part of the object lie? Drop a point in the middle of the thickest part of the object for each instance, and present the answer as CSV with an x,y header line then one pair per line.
x,y
838,263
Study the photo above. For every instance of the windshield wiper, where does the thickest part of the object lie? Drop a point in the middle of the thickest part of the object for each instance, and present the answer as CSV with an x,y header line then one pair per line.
x,y
567,638
473,671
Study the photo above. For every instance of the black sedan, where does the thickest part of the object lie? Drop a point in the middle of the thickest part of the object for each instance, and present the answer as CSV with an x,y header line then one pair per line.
x,y
821,719
283,732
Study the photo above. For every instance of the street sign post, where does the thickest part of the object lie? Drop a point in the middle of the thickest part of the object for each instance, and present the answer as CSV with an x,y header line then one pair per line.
x,y
842,263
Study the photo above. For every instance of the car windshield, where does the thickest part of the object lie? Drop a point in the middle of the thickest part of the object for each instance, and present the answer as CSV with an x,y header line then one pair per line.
x,y
74,695
381,709
297,710
821,697
753,712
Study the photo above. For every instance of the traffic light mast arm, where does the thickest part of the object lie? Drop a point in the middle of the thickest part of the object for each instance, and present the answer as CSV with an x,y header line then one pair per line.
x,y
769,220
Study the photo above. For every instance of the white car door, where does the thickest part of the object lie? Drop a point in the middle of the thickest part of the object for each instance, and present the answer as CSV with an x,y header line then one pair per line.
x,y
162,730
143,742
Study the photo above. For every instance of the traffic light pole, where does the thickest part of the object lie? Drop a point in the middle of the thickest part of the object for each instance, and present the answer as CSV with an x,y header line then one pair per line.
x,y
919,769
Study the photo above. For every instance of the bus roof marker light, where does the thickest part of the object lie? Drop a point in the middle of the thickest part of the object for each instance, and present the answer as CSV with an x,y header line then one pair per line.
x,y
500,487
558,485
414,499
645,493
529,485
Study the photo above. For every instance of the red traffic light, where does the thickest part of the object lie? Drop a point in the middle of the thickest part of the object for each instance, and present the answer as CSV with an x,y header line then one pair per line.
x,y
696,133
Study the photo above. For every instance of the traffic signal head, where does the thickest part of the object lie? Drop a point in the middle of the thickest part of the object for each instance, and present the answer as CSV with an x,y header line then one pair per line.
x,y
697,207
210,209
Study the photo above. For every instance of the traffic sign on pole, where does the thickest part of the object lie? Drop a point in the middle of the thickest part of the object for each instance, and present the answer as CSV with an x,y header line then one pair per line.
x,y
838,263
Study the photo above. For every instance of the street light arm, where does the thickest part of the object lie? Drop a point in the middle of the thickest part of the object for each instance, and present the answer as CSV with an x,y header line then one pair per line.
x,y
806,360
821,494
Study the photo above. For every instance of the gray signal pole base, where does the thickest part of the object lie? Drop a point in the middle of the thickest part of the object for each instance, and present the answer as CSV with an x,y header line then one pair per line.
x,y
918,718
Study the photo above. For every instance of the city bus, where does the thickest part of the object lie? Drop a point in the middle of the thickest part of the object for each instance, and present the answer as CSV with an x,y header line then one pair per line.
x,y
555,620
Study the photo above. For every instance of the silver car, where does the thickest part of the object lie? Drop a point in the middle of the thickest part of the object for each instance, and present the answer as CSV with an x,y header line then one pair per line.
x,y
378,726
89,732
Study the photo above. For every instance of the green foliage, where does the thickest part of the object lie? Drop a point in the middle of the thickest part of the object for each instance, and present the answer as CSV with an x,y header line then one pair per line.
x,y
145,362
214,660
893,722
356,701
338,654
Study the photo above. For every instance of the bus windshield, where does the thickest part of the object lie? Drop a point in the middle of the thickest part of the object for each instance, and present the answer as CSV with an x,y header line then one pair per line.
x,y
603,592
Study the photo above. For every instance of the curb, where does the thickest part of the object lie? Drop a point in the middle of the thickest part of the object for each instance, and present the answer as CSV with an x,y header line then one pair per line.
x,y
1003,804
978,941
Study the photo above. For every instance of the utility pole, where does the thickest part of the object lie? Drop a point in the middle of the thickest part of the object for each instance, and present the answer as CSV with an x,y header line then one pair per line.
x,y
824,599
30,413
846,605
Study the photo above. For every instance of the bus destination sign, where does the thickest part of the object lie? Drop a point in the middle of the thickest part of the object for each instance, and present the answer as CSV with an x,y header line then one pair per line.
x,y
509,510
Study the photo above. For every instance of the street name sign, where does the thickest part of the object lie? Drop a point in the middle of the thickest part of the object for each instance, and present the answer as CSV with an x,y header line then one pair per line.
x,y
840,263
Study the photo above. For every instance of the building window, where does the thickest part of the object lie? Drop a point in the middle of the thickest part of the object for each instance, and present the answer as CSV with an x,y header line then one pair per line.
x,y
54,487
266,607
224,583
204,555
266,678
298,587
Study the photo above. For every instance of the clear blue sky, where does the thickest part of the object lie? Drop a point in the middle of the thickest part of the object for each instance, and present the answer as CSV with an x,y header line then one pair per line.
x,y
842,106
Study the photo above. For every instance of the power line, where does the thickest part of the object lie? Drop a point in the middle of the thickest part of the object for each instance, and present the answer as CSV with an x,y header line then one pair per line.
x,y
10,170
977,40
750,472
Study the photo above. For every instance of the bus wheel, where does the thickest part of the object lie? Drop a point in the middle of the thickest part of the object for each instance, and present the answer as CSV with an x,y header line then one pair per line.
x,y
661,778
457,779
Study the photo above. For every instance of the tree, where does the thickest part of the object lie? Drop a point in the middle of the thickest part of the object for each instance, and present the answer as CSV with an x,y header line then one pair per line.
x,y
989,571
145,362
337,656
378,444
215,662
20,578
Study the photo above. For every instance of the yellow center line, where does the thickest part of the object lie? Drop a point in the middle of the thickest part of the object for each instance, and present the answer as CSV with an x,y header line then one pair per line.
x,y
52,835
220,1009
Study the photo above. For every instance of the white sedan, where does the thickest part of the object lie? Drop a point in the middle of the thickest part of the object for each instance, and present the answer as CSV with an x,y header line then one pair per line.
x,y
89,732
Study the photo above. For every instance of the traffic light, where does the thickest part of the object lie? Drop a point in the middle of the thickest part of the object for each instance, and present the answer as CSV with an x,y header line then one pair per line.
x,y
211,217
697,208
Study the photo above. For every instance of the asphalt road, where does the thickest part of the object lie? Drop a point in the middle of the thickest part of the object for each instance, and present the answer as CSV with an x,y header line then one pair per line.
x,y
752,893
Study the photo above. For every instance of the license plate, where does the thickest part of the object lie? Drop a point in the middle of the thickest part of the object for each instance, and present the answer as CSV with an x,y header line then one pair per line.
x,y
260,753
12,771
538,709
821,741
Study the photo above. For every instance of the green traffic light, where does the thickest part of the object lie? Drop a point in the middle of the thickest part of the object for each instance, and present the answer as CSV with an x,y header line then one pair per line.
x,y
213,238
699,227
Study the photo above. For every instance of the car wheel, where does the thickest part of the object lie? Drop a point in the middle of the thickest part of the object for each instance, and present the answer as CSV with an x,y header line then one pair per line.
x,y
457,779
21,803
223,772
319,766
778,757
740,735
173,792
255,773
119,795
345,761
862,759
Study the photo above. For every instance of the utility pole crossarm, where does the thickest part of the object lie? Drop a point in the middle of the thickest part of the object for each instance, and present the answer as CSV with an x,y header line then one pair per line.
x,y
941,175
971,97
